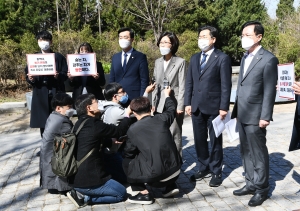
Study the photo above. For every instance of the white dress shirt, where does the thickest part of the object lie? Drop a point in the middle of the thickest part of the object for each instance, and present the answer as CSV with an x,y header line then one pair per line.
x,y
249,59
208,53
128,56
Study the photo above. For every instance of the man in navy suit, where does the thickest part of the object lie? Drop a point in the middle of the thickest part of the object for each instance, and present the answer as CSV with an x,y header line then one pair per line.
x,y
207,95
129,67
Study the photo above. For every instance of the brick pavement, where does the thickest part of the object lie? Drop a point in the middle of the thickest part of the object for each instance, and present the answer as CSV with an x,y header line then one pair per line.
x,y
19,176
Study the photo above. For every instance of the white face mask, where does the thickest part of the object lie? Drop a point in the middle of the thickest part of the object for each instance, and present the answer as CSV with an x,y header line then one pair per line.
x,y
124,43
164,51
44,45
70,112
247,43
203,44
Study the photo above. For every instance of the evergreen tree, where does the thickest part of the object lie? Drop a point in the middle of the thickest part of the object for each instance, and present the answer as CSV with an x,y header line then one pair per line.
x,y
284,8
76,15
234,14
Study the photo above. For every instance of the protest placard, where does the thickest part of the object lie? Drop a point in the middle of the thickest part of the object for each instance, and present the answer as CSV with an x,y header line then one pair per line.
x,y
82,64
286,74
41,64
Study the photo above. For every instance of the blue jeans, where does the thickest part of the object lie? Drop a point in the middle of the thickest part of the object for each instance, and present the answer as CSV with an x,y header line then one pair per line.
x,y
110,192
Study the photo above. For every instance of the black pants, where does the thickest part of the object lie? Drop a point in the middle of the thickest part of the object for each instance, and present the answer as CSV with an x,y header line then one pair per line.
x,y
142,186
208,161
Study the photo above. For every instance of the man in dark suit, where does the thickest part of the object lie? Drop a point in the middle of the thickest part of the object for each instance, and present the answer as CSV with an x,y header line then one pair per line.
x,y
253,109
207,95
129,67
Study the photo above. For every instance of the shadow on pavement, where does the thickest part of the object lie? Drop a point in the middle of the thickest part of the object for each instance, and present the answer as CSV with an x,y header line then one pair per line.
x,y
279,168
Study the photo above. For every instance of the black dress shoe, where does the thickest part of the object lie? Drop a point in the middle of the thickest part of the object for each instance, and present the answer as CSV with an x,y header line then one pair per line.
x,y
257,199
199,175
243,191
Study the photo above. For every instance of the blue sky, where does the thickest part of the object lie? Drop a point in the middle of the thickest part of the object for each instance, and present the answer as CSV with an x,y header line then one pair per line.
x,y
272,6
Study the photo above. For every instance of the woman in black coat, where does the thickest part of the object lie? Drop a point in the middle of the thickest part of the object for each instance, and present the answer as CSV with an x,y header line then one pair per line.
x,y
295,140
88,84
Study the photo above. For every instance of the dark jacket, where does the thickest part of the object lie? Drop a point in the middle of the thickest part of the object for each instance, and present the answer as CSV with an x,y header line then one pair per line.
x,y
150,145
295,140
92,85
91,172
56,124
209,91
42,92
135,79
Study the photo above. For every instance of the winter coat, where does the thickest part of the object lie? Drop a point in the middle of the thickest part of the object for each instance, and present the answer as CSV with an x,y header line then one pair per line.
x,y
150,145
43,89
91,84
56,124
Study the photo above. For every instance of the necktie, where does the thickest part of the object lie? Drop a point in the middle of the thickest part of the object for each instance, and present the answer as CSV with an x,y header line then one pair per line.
x,y
124,62
203,62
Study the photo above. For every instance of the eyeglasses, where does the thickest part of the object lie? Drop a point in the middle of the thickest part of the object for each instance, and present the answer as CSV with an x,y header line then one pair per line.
x,y
121,92
95,102
164,43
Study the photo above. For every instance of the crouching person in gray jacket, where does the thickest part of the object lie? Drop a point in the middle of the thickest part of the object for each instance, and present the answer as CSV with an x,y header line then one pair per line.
x,y
57,123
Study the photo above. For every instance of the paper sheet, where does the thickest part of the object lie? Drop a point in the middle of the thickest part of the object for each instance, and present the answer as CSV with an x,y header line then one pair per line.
x,y
219,125
232,130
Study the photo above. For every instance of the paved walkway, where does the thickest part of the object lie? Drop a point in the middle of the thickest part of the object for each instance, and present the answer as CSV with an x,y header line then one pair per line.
x,y
19,172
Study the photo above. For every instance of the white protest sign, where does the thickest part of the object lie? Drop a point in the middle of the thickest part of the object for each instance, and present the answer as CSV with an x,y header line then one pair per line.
x,y
286,80
41,64
82,64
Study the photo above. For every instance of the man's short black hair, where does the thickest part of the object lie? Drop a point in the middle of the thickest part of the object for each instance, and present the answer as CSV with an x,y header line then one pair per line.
x,y
87,46
127,29
212,30
82,102
61,99
173,39
111,89
45,35
140,105
258,28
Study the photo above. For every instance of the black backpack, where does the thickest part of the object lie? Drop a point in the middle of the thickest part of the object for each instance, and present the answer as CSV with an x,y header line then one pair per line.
x,y
63,161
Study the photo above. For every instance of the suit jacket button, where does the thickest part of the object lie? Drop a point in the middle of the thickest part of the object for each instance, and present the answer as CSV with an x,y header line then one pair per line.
x,y
199,90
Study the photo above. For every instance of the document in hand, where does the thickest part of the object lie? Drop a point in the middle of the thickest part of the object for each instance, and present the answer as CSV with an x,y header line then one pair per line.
x,y
219,124
232,130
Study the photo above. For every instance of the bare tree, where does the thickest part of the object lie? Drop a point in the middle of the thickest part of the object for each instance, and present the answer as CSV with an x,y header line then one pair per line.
x,y
154,13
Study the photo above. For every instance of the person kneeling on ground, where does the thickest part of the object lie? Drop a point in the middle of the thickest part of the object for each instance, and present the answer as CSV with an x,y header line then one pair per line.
x,y
92,184
114,112
150,153
57,123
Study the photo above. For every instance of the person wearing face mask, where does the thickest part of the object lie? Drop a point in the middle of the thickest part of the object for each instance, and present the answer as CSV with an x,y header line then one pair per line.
x,y
44,87
170,70
92,183
88,84
58,122
113,113
207,95
253,108
129,67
